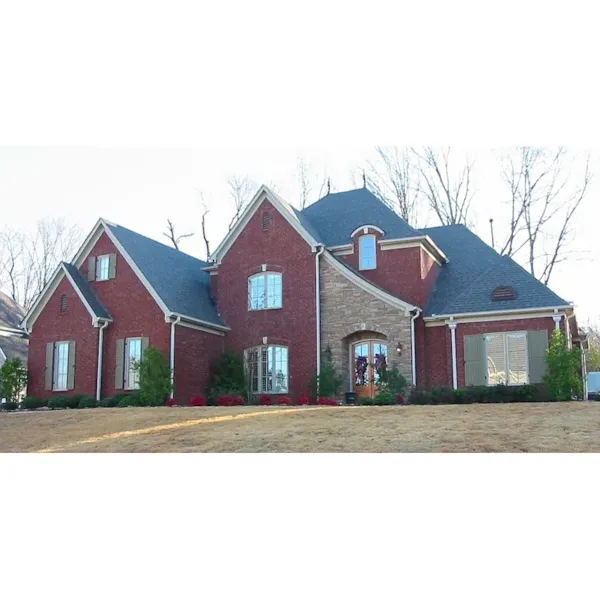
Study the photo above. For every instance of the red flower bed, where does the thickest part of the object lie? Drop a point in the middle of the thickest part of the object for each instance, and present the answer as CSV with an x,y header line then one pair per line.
x,y
327,402
225,401
304,400
399,398
238,401
171,402
198,401
265,400
284,400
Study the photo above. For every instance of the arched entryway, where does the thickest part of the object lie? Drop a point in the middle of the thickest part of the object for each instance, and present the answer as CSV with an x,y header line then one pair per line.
x,y
368,362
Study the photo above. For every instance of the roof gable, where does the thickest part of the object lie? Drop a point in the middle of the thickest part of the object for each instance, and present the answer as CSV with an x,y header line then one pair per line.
x,y
336,216
86,292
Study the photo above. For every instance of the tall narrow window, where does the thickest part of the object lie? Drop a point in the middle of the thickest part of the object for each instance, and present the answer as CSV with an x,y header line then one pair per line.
x,y
103,268
367,252
265,291
133,355
61,366
267,368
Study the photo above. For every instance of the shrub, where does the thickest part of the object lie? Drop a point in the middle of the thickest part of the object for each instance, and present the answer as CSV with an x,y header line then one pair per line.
x,y
328,383
562,379
124,402
13,378
73,401
526,393
227,376
10,405
400,399
238,401
198,401
57,402
155,378
265,400
172,402
384,398
327,402
304,400
87,402
284,401
420,397
31,403
442,395
393,381
225,401
112,402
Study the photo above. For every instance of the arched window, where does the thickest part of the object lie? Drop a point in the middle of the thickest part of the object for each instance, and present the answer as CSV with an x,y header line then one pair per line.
x,y
265,291
367,252
267,368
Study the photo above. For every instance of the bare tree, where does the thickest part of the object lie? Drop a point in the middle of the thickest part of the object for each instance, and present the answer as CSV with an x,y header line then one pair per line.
x,y
175,239
240,192
309,181
394,178
448,192
205,211
543,201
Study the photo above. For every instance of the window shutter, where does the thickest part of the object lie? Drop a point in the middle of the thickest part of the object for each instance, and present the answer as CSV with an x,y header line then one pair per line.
x,y
144,346
119,378
537,347
71,371
91,275
475,362
49,373
112,266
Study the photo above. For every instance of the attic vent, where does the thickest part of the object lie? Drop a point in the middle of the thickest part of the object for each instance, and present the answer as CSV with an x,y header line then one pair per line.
x,y
63,303
266,220
504,292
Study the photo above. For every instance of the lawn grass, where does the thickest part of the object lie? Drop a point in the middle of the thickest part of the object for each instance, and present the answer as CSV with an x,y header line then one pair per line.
x,y
553,427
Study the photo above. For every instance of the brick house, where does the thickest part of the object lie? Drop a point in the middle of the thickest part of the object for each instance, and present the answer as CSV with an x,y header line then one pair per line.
x,y
346,275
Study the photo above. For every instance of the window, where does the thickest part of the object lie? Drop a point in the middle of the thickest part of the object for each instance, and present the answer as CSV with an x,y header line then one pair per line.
x,y
367,252
507,360
61,366
265,291
268,369
133,355
63,303
103,268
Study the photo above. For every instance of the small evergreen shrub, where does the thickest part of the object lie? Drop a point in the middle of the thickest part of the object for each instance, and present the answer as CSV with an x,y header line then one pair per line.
x,y
393,381
155,379
57,402
328,383
10,405
420,397
563,381
13,378
31,403
87,402
227,376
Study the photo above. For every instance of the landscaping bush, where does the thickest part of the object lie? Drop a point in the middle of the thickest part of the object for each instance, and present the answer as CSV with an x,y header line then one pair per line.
x,y
13,378
113,401
284,401
225,401
328,383
327,402
10,405
238,401
171,402
124,402
442,395
57,402
265,400
31,403
198,401
476,395
562,379
393,381
420,397
400,399
227,376
155,379
87,402
304,400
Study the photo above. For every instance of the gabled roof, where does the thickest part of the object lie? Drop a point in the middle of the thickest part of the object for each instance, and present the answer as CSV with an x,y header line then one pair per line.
x,y
336,216
13,346
178,279
11,313
466,283
86,292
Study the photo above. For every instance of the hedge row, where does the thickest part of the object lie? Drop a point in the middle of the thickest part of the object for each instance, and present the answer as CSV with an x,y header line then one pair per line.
x,y
477,395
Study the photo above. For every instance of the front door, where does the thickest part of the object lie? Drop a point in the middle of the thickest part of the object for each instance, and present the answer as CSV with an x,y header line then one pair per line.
x,y
369,361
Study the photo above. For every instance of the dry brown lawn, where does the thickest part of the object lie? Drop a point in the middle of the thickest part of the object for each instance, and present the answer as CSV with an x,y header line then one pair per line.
x,y
561,427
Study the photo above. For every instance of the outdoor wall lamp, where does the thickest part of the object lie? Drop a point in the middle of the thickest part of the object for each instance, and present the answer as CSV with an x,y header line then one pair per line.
x,y
399,349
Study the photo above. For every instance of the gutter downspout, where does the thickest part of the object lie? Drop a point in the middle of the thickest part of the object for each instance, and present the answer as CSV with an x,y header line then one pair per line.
x,y
318,308
100,355
413,348
454,366
172,358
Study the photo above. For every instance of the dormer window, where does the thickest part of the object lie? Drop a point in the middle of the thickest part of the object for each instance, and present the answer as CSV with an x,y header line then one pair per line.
x,y
367,252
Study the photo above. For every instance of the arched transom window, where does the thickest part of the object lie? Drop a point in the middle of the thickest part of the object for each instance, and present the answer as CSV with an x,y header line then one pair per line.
x,y
265,291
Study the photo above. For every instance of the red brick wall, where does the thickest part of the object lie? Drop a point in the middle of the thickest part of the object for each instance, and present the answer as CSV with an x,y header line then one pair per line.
x,y
133,310
438,358
294,325
408,273
464,329
53,326
194,353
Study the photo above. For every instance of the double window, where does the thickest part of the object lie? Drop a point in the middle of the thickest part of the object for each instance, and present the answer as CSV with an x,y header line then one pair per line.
x,y
367,252
265,291
267,369
507,360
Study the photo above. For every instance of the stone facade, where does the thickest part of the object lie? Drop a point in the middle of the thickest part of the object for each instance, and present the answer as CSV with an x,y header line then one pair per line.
x,y
347,312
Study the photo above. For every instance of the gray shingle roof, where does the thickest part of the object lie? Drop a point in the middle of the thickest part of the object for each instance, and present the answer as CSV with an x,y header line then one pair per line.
x,y
87,292
336,216
11,313
177,278
14,347
475,269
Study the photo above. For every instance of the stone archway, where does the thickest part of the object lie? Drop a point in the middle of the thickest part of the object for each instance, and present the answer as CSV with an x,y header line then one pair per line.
x,y
368,357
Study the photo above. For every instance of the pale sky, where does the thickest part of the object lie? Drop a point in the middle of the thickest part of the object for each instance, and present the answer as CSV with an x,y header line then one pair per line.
x,y
140,189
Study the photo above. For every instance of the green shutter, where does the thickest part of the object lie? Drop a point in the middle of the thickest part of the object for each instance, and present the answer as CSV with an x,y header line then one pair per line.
x,y
71,371
49,373
537,349
91,274
475,361
112,266
119,377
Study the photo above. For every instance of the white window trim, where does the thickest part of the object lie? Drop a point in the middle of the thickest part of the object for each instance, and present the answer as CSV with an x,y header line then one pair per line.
x,y
259,350
505,335
360,260
126,364
55,387
264,275
98,269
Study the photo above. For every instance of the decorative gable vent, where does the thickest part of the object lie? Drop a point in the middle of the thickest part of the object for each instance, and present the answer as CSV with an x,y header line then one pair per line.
x,y
504,292
266,220
63,303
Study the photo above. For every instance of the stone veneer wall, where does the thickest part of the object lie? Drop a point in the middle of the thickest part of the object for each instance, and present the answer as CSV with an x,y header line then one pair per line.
x,y
347,309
